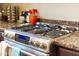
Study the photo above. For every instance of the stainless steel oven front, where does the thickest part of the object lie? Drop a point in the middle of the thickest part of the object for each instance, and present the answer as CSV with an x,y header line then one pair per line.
x,y
24,50
28,42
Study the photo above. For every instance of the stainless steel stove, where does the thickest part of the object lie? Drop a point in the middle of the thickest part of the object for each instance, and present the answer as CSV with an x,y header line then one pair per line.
x,y
38,37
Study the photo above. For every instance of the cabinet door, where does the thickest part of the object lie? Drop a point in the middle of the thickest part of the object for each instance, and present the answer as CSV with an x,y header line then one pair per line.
x,y
66,52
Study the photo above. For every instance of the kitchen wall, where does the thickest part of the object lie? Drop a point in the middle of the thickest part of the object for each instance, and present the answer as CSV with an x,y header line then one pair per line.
x,y
58,11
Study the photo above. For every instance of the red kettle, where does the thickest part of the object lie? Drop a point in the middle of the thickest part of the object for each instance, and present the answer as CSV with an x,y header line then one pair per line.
x,y
33,20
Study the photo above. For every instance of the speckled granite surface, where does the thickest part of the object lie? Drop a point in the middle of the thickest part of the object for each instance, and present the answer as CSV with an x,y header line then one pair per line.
x,y
70,41
7,24
62,22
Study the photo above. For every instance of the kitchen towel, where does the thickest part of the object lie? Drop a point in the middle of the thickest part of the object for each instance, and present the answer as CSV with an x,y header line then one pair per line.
x,y
9,51
15,51
4,46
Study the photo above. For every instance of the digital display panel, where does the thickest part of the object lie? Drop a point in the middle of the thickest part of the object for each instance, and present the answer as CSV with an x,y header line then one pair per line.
x,y
22,38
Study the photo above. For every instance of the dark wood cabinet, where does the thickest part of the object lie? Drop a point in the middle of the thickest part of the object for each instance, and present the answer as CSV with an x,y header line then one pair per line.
x,y
61,51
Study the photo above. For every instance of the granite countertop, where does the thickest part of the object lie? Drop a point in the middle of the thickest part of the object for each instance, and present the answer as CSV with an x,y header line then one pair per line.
x,y
6,25
70,41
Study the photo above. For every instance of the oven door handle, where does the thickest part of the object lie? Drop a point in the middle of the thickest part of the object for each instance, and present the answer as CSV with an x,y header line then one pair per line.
x,y
29,54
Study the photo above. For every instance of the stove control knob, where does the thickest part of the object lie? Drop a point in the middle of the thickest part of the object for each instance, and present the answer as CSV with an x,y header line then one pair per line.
x,y
31,42
37,44
44,46
9,36
12,37
5,34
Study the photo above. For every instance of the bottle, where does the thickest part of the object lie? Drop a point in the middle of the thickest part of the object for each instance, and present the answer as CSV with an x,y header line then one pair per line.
x,y
27,19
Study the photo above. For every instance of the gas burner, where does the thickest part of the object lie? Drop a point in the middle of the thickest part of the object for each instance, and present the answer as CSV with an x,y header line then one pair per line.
x,y
54,30
36,29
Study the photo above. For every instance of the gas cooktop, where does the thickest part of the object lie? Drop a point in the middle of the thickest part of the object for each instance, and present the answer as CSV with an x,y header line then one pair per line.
x,y
38,37
47,30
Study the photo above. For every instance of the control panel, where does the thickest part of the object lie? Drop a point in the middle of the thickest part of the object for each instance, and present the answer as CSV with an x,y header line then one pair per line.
x,y
30,40
38,42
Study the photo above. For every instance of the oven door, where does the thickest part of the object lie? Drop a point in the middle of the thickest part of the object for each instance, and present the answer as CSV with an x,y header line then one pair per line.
x,y
20,52
24,49
14,51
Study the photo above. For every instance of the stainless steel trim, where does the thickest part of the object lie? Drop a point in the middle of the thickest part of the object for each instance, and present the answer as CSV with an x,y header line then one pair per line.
x,y
27,53
26,48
